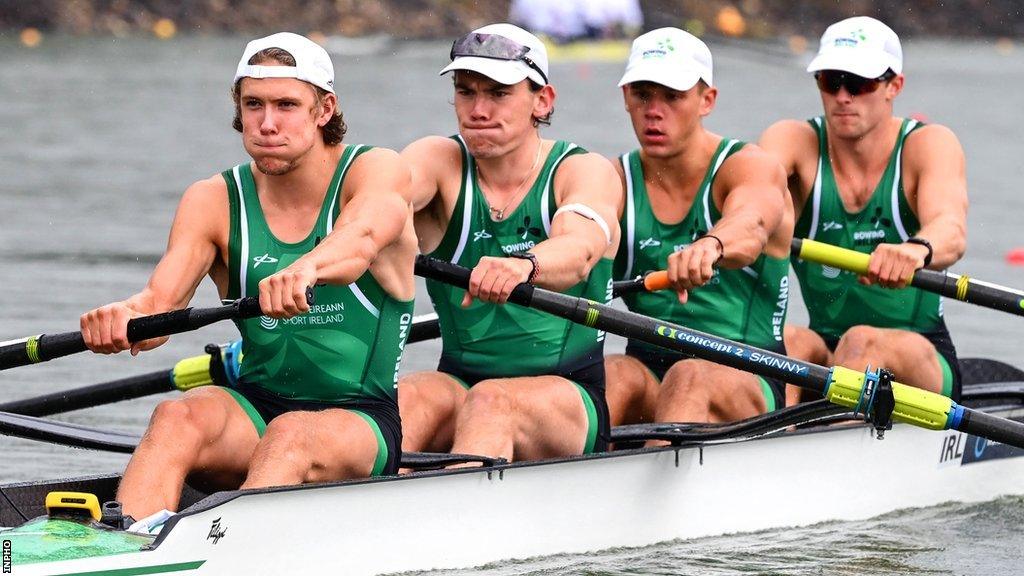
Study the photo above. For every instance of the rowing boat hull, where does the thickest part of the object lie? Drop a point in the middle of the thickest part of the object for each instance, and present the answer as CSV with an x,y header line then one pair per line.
x,y
473,517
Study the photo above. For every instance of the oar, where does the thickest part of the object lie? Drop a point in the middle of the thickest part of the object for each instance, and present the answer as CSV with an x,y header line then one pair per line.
x,y
186,374
43,347
960,287
839,385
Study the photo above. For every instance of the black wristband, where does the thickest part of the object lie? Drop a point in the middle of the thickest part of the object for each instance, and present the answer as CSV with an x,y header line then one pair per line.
x,y
533,261
721,247
926,244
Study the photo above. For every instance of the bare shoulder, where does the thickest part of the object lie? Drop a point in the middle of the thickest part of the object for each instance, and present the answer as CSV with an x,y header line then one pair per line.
x,y
204,209
753,164
210,192
931,143
378,169
378,159
580,164
431,149
789,134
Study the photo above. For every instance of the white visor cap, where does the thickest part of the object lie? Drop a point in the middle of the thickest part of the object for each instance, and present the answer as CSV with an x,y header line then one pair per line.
x,y
507,72
312,63
670,57
860,45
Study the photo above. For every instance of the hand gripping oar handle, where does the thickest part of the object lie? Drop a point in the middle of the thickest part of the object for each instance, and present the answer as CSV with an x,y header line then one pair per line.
x,y
947,284
45,347
840,385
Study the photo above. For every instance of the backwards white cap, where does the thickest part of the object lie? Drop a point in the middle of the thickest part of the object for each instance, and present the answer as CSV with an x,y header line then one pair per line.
x,y
312,63
507,72
860,45
670,57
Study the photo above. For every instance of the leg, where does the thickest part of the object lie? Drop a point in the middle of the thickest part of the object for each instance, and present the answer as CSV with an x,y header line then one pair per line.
x,y
323,446
804,344
204,430
910,356
701,391
631,390
522,419
429,403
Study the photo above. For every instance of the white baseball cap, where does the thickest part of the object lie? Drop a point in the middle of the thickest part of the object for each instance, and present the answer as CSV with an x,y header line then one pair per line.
x,y
504,53
670,57
312,63
860,45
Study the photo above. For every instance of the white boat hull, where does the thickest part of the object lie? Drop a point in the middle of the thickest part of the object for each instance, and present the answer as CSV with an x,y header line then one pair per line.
x,y
444,520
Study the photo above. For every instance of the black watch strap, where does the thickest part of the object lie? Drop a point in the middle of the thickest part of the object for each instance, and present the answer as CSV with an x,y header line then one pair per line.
x,y
926,244
533,260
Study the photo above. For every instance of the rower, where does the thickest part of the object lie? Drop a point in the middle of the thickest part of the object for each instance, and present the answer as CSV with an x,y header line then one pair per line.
x,y
892,187
315,399
712,211
514,207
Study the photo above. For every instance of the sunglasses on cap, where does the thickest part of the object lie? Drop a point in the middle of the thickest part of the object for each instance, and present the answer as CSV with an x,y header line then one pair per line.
x,y
830,81
495,47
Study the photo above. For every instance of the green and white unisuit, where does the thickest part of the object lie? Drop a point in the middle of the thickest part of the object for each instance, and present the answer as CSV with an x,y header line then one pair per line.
x,y
501,341
835,300
343,353
747,305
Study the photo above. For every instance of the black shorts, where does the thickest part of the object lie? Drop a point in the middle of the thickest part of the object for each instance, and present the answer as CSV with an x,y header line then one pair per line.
x,y
659,360
588,378
262,406
948,361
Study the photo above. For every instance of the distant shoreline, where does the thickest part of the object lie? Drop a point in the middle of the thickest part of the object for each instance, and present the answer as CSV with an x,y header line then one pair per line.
x,y
427,19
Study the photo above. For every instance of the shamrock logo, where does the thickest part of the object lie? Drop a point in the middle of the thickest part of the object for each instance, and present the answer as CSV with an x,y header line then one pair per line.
x,y
666,45
877,218
527,229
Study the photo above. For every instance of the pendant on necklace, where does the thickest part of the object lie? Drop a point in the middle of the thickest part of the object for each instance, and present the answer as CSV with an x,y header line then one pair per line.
x,y
499,214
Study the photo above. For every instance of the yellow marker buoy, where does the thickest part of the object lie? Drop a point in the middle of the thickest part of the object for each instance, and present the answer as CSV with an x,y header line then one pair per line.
x,y
31,37
730,22
164,29
1004,46
797,44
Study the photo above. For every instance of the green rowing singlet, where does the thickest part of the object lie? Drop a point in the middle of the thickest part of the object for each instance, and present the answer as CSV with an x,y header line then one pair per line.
x,y
835,300
747,305
509,340
348,347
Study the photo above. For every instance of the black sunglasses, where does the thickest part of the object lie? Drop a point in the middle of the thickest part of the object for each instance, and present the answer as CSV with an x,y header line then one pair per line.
x,y
494,47
830,81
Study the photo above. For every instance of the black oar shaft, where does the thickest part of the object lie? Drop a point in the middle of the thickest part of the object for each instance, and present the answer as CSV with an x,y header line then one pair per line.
x,y
49,346
840,385
95,395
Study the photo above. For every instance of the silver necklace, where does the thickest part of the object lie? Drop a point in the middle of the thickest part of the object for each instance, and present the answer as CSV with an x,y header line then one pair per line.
x,y
498,214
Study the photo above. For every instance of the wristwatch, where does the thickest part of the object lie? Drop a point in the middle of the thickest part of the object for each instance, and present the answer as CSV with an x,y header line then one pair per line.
x,y
926,244
533,260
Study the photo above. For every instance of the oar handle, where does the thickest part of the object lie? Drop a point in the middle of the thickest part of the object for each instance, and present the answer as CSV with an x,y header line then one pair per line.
x,y
49,346
651,282
456,275
947,284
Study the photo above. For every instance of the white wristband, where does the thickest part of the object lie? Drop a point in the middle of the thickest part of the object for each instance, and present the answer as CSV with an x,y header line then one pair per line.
x,y
588,213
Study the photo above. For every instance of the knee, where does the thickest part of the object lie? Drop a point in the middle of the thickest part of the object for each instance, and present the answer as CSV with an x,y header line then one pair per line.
x,y
621,372
289,429
173,417
489,397
859,340
684,377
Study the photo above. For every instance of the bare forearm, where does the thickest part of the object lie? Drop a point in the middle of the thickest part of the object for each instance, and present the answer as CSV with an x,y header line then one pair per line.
x,y
948,237
564,261
743,236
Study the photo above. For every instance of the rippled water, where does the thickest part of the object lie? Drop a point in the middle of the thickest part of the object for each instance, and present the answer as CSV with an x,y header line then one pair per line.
x,y
101,136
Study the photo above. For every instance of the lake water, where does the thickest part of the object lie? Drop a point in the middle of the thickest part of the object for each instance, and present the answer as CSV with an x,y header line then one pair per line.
x,y
101,136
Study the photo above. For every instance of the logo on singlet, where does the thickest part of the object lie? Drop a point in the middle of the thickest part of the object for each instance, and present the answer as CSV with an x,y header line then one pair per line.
x,y
268,323
265,259
830,272
831,225
481,235
649,243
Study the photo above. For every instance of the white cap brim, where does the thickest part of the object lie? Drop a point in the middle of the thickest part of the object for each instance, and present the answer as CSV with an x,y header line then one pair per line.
x,y
848,62
506,72
655,72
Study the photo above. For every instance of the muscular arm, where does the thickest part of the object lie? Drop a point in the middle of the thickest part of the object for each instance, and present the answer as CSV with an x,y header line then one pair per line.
x,y
753,191
199,228
577,243
374,214
934,154
755,195
794,145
